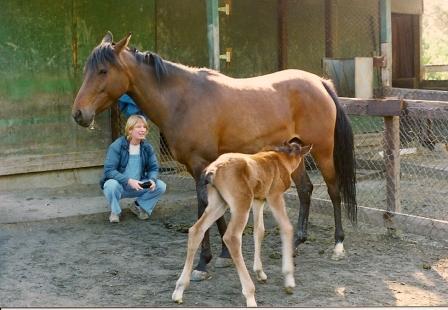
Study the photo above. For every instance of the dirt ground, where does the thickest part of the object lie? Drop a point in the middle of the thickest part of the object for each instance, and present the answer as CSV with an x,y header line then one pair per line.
x,y
84,261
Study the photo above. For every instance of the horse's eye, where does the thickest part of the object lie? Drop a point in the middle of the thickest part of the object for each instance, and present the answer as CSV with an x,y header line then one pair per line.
x,y
102,71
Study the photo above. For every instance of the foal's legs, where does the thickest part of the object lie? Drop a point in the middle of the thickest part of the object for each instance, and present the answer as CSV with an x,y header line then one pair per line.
x,y
200,272
232,238
277,204
304,190
257,207
216,209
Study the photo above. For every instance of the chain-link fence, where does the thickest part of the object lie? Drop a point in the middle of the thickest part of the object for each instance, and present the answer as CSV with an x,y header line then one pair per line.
x,y
423,167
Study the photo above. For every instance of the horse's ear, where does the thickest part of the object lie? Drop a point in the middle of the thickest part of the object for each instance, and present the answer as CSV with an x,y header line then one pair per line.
x,y
107,38
123,43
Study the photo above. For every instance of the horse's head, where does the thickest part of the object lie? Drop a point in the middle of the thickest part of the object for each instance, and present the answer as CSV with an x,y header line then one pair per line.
x,y
105,80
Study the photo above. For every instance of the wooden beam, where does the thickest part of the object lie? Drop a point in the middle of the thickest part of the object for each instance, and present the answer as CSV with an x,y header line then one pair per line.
x,y
282,34
372,107
328,29
392,162
38,163
423,109
416,94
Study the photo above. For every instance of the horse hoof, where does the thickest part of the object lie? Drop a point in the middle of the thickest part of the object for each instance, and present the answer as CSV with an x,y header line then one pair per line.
x,y
179,302
222,262
199,275
289,290
338,252
261,276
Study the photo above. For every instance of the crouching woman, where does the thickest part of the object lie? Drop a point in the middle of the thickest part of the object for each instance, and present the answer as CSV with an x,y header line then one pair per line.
x,y
130,163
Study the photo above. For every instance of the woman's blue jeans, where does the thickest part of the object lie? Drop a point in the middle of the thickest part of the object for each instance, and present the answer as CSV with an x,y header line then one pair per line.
x,y
146,198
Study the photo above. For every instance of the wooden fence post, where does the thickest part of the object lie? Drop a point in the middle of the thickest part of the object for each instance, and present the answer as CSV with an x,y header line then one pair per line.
x,y
392,163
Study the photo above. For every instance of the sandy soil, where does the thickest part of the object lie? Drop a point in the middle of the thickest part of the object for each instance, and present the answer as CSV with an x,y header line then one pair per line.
x,y
85,261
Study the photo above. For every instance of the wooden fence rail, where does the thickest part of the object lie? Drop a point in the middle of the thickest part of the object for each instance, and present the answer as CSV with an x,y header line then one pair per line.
x,y
391,109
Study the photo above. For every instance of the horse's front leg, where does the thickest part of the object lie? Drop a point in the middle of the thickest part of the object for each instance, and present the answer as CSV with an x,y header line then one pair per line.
x,y
304,190
200,271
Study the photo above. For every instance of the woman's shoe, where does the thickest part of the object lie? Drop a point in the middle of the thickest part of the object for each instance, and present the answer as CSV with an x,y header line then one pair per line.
x,y
114,218
139,212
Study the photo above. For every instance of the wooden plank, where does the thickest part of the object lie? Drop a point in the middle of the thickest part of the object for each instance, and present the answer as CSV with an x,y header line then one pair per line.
x,y
328,29
416,94
423,109
435,68
282,34
372,107
440,85
392,163
38,163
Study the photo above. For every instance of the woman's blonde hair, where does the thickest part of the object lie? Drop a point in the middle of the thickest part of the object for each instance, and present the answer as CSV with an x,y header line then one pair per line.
x,y
131,122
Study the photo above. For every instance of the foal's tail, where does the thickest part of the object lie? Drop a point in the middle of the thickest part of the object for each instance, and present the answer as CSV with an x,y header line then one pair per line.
x,y
202,188
344,156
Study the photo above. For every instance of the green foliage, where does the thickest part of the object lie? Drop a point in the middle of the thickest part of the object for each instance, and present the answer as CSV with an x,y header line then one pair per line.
x,y
435,37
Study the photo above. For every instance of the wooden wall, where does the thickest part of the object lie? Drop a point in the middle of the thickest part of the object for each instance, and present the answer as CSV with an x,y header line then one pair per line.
x,y
44,45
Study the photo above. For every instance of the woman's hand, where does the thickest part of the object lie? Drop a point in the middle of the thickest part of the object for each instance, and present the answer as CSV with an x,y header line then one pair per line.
x,y
153,185
135,184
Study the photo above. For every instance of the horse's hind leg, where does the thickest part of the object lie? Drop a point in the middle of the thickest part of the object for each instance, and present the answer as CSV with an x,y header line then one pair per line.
x,y
327,168
304,190
257,207
277,204
216,209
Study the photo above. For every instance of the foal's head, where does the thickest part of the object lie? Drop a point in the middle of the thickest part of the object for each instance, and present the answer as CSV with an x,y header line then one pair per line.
x,y
294,151
105,80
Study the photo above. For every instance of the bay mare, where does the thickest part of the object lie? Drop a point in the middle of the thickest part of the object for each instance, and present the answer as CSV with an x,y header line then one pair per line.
x,y
203,113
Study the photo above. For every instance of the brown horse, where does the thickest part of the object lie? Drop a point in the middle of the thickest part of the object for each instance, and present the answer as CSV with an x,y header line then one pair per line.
x,y
203,114
238,181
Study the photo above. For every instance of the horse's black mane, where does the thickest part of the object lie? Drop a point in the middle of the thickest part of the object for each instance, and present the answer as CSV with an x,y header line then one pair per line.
x,y
154,60
101,55
105,54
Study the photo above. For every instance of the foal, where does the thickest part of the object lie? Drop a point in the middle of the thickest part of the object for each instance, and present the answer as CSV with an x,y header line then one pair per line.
x,y
239,181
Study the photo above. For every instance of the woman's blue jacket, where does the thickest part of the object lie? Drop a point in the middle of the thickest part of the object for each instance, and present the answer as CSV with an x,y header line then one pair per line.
x,y
117,159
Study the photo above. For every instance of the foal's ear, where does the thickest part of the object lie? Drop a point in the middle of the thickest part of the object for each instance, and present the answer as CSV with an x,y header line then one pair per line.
x,y
107,38
123,43
294,140
305,149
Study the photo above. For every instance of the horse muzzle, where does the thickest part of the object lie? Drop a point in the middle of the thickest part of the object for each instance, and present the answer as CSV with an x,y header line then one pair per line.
x,y
82,119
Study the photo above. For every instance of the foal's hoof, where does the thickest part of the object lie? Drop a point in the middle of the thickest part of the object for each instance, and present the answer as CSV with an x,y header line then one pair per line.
x,y
197,275
261,276
179,302
289,290
222,262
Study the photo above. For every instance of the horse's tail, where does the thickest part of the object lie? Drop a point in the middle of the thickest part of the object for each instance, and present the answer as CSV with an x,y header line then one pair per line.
x,y
344,156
